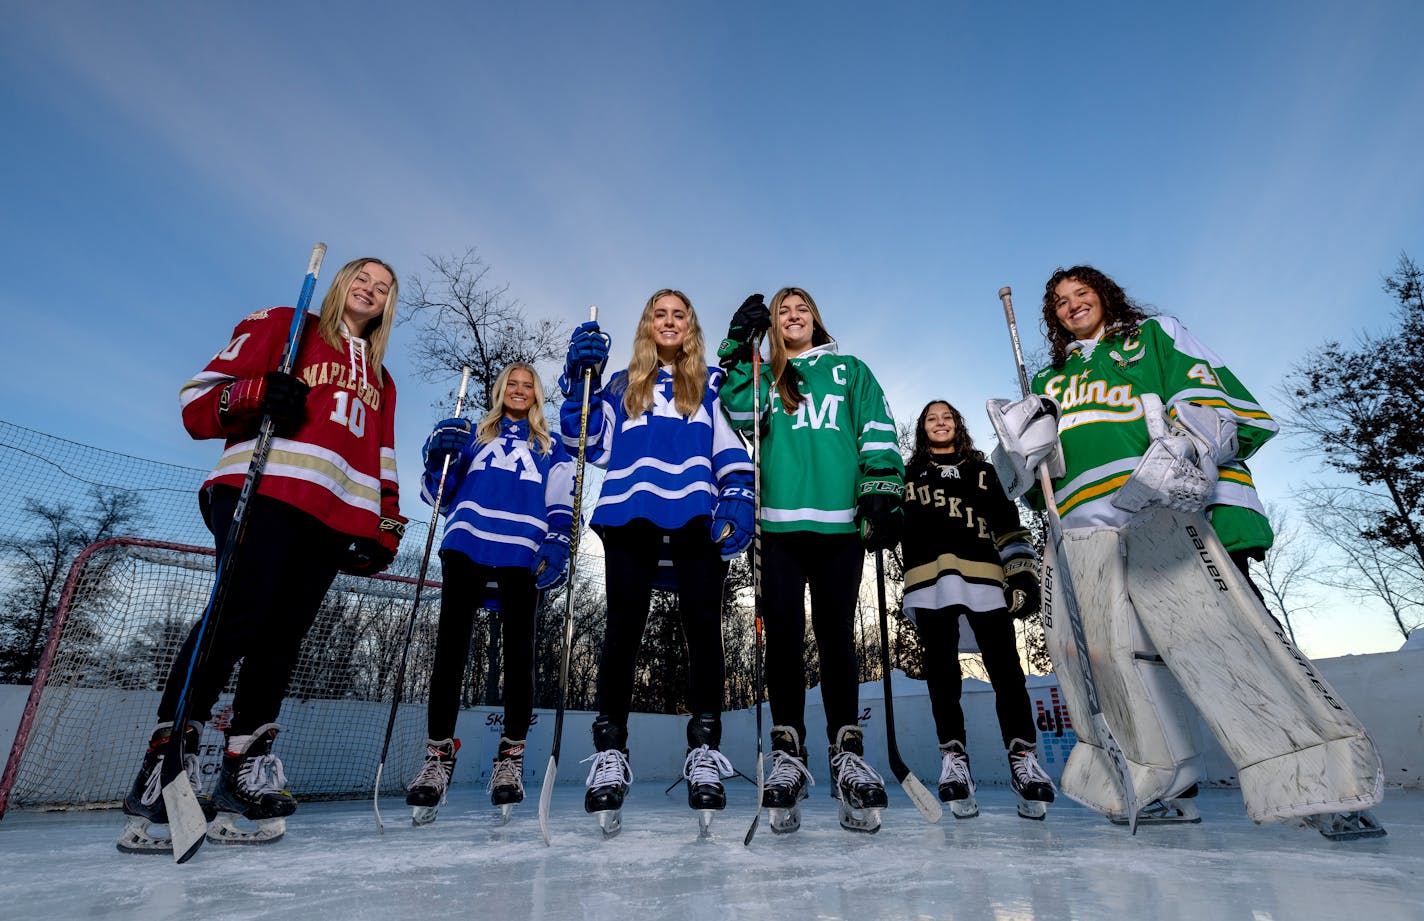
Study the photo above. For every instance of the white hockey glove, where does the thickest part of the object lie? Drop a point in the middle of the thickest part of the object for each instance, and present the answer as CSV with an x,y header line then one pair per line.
x,y
1028,436
1179,469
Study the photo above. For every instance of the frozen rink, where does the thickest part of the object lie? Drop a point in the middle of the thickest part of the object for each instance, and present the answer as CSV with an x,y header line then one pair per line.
x,y
334,865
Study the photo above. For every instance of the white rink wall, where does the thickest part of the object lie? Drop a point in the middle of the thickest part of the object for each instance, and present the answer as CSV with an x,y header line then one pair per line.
x,y
1386,690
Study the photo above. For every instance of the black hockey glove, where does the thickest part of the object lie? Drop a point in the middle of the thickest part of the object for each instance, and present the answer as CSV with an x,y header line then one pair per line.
x,y
751,320
370,555
244,402
1021,592
880,515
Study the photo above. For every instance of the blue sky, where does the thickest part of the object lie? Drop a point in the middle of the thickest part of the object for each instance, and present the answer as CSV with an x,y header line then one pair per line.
x,y
1252,168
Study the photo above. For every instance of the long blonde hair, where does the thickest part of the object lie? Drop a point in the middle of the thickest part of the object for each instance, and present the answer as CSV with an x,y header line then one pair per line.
x,y
378,330
488,429
689,368
788,383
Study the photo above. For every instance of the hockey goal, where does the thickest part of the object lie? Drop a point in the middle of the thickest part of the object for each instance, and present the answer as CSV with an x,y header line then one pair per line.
x,y
126,608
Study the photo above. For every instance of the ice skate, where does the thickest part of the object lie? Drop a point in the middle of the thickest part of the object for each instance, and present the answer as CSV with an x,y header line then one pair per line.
x,y
1031,784
860,790
786,784
144,804
956,784
250,786
609,776
427,790
1346,826
506,783
1178,810
704,769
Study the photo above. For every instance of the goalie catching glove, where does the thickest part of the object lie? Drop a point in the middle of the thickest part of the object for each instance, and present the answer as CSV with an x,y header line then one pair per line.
x,y
1180,467
1027,430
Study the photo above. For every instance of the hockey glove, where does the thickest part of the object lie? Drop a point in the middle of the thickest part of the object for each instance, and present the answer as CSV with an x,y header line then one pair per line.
x,y
880,514
551,562
733,521
448,440
751,320
370,555
243,403
1179,468
1028,436
588,350
1021,592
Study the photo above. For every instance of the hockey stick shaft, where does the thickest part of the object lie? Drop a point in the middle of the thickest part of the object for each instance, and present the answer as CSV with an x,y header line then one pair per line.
x,y
551,771
1070,595
757,637
415,606
186,821
929,806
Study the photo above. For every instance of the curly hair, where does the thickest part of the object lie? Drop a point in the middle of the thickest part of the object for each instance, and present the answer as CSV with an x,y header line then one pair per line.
x,y
963,443
1120,312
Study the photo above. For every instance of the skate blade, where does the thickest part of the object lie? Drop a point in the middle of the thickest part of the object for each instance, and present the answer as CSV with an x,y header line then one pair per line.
x,y
611,821
704,823
784,821
1034,809
135,838
966,808
223,830
1172,812
860,820
1346,826
506,812
423,815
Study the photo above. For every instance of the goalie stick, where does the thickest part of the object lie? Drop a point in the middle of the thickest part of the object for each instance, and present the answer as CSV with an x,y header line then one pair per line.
x,y
1070,596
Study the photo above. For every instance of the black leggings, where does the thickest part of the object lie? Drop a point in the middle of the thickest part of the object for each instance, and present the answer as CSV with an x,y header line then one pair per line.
x,y
280,574
994,631
831,564
460,601
631,553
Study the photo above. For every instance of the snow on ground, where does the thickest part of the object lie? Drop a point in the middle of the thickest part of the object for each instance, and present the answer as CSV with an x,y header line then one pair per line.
x,y
334,865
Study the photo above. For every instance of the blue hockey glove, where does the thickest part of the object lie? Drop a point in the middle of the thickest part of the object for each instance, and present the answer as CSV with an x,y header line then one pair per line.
x,y
588,350
448,440
733,521
551,563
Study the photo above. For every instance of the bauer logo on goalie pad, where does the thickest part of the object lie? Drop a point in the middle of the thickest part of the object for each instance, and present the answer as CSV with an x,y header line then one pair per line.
x,y
1206,559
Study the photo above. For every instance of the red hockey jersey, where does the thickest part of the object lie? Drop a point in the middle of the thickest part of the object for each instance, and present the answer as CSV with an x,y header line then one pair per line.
x,y
340,466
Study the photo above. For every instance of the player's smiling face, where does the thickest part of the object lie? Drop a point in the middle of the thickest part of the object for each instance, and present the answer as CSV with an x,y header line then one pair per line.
x,y
939,427
1078,309
670,325
366,298
518,394
796,323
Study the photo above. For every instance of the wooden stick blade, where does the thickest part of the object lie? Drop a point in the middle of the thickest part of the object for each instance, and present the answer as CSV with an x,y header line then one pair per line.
x,y
924,801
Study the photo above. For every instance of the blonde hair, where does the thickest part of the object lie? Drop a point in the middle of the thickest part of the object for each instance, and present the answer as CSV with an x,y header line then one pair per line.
x,y
378,330
689,367
488,429
788,383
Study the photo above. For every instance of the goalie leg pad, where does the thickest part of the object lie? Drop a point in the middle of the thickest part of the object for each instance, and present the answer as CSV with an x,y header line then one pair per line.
x,y
1144,707
1297,748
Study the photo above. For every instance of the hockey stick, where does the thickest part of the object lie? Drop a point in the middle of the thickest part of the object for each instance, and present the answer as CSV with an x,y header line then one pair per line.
x,y
929,806
415,608
1070,597
757,638
186,823
546,786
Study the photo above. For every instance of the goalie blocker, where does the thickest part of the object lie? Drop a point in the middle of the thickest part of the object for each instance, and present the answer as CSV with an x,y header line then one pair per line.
x,y
1172,624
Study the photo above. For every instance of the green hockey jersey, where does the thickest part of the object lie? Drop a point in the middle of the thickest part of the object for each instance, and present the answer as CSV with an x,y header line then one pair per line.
x,y
815,460
1103,431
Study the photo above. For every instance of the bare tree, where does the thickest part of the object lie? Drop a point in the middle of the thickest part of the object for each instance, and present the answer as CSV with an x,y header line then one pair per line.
x,y
1289,565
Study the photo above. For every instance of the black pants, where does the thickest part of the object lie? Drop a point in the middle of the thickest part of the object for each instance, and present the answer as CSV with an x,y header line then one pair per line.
x,y
994,631
460,600
280,574
831,564
631,554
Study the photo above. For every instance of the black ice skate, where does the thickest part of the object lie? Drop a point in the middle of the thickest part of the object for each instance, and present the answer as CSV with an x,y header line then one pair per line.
x,y
786,784
250,785
1176,810
704,769
855,783
1346,826
609,776
956,784
427,790
506,783
1031,784
144,805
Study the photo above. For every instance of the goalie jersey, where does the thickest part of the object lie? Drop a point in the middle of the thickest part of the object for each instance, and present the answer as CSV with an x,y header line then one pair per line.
x,y
1103,431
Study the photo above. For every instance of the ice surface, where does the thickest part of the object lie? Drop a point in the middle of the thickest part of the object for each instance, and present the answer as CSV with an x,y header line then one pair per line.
x,y
334,865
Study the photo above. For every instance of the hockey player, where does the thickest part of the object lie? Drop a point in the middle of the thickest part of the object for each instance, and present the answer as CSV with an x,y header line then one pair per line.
x,y
832,479
677,476
968,557
508,506
1149,444
327,503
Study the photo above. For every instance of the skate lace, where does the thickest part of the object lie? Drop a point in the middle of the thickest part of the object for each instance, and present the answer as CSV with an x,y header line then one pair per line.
x,y
851,768
262,774
1027,769
435,774
609,767
706,765
787,770
955,769
153,789
508,772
